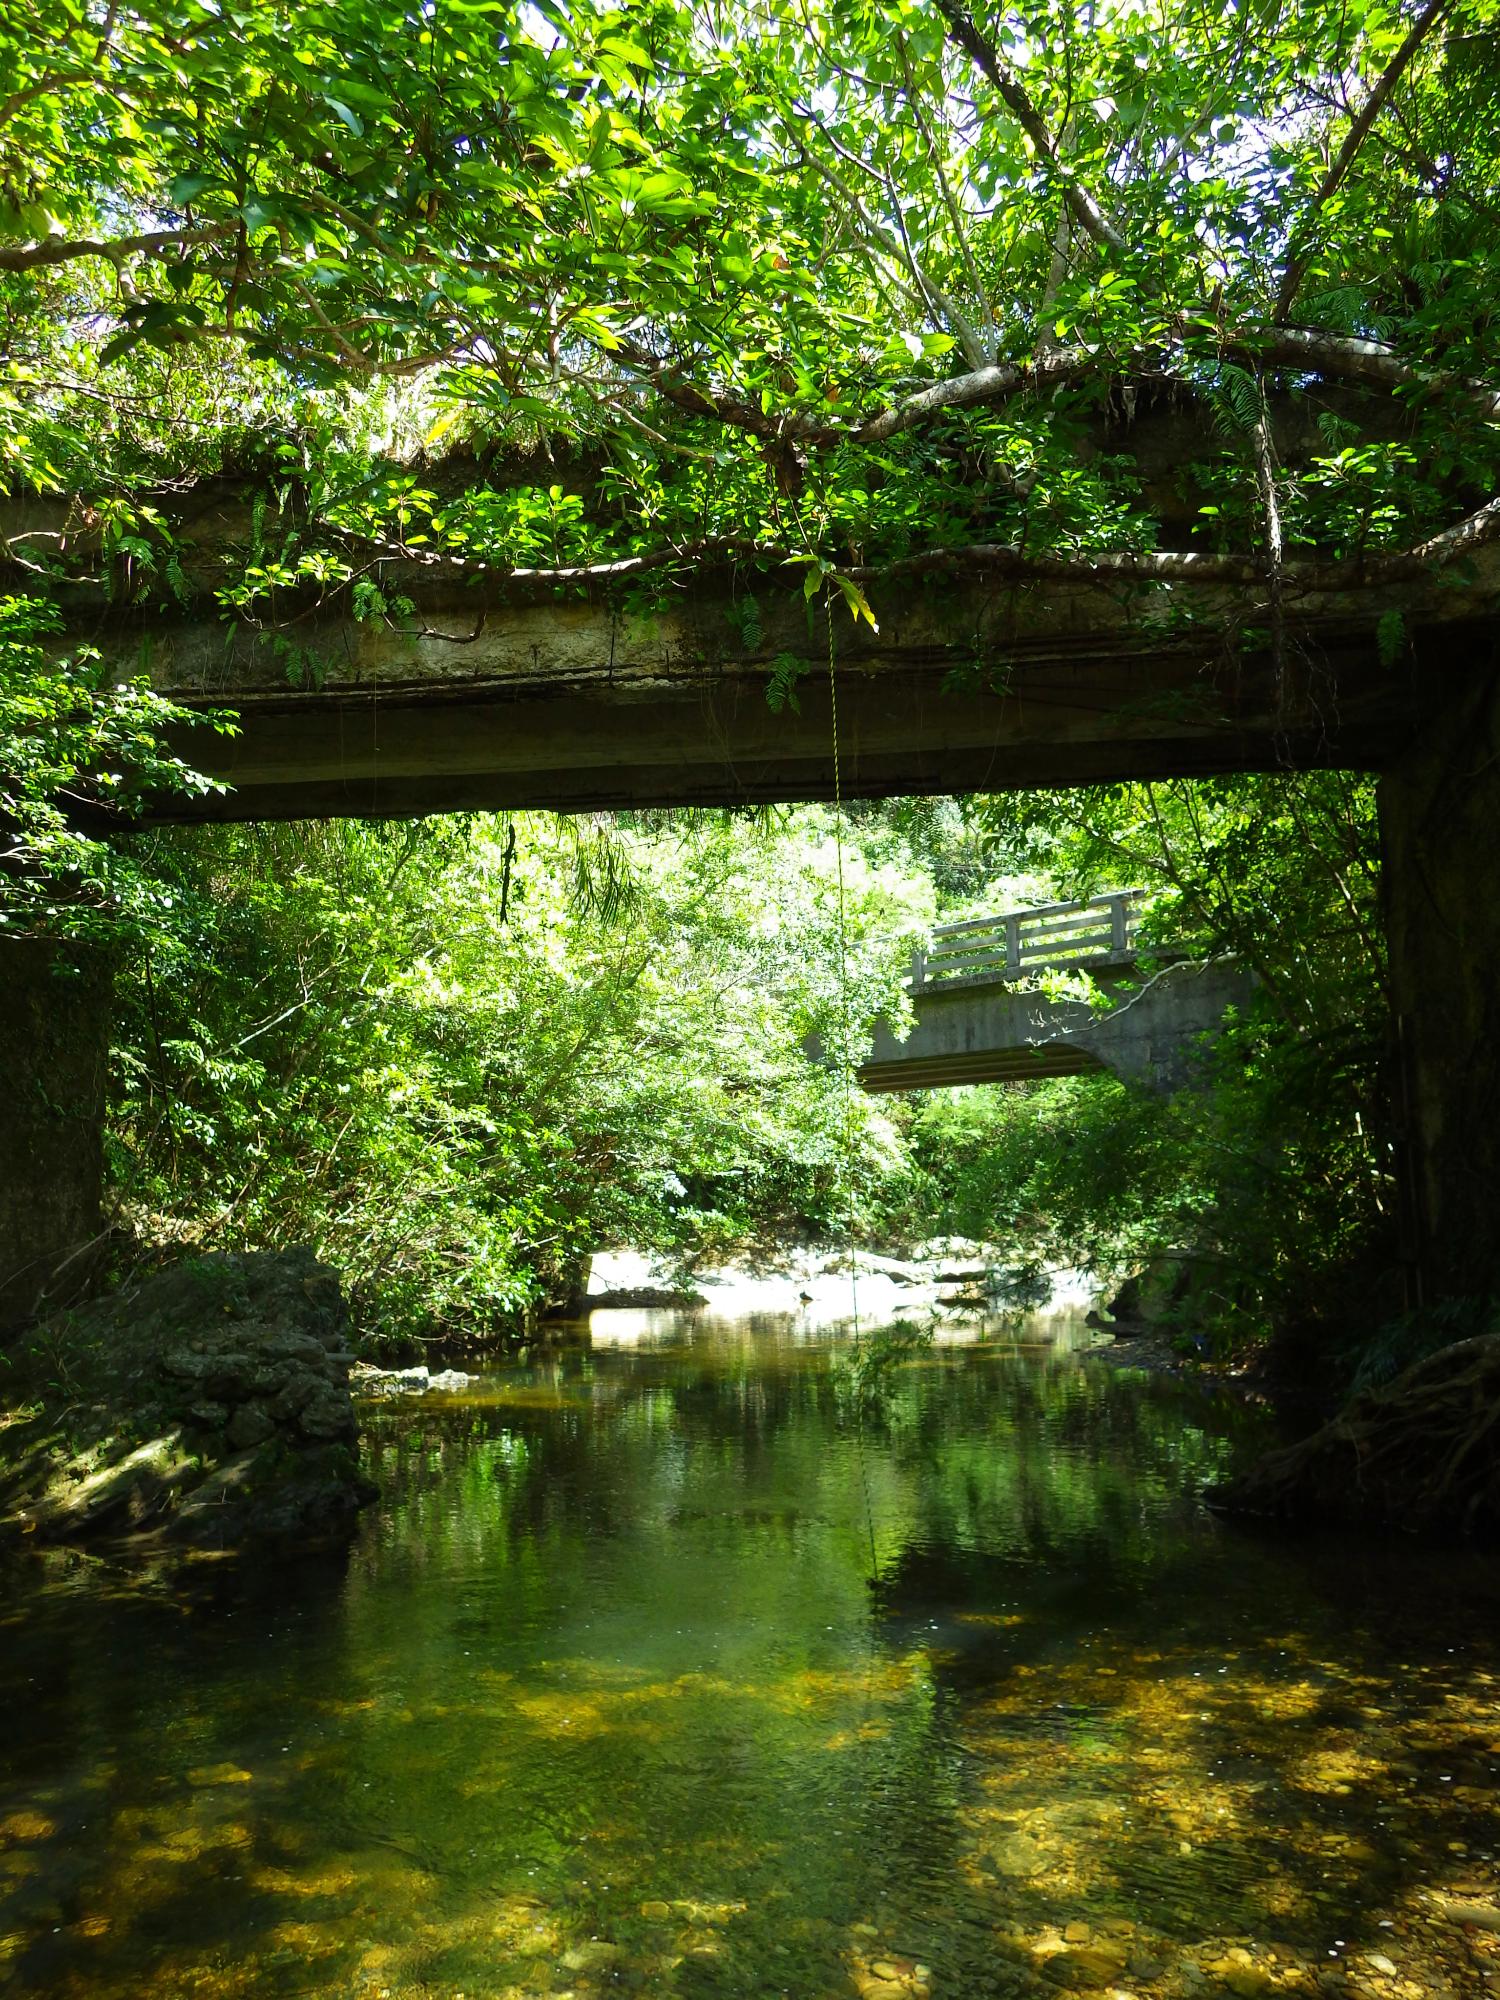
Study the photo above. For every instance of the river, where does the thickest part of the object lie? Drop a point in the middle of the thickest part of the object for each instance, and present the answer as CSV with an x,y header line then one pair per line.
x,y
667,1665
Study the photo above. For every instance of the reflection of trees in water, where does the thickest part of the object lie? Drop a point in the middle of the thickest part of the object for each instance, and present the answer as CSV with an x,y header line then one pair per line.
x,y
608,1644
592,1456
703,1473
986,1440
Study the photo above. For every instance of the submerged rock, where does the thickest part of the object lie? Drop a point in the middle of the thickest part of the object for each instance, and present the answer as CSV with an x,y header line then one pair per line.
x,y
208,1404
369,1380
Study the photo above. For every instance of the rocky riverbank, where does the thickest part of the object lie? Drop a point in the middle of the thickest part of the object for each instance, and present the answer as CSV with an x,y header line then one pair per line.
x,y
207,1405
821,1286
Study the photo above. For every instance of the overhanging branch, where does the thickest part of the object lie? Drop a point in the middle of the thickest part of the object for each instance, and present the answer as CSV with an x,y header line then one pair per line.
x,y
1347,358
1017,102
67,250
1090,566
1353,140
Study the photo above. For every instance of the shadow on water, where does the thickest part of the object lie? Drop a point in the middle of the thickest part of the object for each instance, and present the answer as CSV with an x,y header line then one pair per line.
x,y
605,1700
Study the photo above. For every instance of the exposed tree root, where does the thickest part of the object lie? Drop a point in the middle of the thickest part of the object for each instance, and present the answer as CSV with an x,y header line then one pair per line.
x,y
1421,1453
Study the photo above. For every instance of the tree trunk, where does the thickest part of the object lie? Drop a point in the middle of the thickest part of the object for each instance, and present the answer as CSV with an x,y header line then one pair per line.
x,y
54,1051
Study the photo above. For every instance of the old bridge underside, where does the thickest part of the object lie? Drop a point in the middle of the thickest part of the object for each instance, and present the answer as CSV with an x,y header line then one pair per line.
x,y
647,689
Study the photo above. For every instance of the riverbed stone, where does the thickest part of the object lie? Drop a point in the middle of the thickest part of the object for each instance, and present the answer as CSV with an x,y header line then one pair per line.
x,y
1085,1967
251,1424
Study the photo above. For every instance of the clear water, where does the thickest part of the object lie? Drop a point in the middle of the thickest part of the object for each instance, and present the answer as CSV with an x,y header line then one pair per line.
x,y
651,1673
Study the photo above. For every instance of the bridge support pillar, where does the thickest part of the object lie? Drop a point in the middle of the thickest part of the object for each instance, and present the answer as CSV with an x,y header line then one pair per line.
x,y
1440,829
54,1051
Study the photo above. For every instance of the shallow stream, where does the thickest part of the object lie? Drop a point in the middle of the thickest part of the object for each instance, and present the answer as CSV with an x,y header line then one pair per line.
x,y
656,1672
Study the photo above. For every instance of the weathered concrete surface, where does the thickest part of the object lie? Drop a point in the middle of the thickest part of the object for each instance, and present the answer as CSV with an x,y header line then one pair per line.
x,y
990,1033
54,1049
1440,824
972,683
650,689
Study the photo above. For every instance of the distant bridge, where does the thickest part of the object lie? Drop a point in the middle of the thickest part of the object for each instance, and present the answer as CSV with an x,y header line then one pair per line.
x,y
979,1020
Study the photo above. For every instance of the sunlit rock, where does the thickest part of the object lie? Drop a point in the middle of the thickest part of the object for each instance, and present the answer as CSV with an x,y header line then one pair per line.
x,y
208,1404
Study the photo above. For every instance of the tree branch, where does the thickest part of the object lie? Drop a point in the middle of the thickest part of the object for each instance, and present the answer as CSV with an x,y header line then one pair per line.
x,y
64,250
994,384
1353,140
1094,566
1018,103
1452,544
1347,358
50,80
1352,360
706,549
664,377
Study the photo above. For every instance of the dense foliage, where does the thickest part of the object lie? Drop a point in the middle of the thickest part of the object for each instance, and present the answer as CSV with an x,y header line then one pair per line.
x,y
832,284
457,1059
75,743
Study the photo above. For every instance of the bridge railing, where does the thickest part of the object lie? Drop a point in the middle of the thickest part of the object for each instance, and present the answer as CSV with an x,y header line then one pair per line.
x,y
1008,946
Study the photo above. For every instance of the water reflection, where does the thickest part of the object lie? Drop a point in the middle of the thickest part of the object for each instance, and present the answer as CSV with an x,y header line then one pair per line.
x,y
606,1700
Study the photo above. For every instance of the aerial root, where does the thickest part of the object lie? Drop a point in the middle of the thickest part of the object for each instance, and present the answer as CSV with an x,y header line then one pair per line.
x,y
1421,1453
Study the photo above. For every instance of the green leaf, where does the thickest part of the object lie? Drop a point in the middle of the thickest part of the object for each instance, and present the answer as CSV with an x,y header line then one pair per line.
x,y
342,112
186,188
858,603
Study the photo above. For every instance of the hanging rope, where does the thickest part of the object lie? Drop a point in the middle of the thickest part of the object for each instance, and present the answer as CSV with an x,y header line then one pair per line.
x,y
846,1076
510,855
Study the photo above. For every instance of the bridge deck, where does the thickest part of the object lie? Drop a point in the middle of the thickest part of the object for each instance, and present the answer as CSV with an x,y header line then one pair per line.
x,y
978,1020
496,695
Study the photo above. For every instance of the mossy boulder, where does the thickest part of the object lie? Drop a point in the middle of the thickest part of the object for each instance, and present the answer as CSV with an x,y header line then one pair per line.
x,y
208,1403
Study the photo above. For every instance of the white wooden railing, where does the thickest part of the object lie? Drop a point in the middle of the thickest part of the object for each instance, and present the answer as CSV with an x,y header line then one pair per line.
x,y
985,950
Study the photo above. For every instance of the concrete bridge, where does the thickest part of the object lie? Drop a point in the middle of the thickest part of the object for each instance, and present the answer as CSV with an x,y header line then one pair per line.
x,y
474,688
981,1019
987,671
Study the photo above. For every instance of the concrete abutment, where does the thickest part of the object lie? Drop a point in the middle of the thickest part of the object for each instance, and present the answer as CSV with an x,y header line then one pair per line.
x,y
55,1013
1440,832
